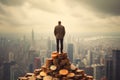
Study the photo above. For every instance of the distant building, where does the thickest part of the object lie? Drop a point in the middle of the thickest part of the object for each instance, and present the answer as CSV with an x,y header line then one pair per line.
x,y
43,53
11,56
31,68
76,61
53,45
89,58
99,71
33,45
89,70
1,72
6,71
12,73
49,44
116,64
85,61
70,51
79,63
33,37
37,62
96,60
31,56
109,68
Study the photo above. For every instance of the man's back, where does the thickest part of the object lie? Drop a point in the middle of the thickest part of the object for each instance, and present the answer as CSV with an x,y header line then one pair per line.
x,y
59,31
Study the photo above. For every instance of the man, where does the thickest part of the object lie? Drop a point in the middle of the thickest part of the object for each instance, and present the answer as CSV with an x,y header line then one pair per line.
x,y
59,33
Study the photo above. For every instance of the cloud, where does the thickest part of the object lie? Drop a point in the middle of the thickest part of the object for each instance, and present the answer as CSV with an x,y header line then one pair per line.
x,y
76,15
4,10
111,7
12,15
51,6
45,5
13,2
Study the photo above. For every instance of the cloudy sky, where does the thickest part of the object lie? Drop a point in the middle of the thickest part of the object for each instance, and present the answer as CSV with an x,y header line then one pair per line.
x,y
84,16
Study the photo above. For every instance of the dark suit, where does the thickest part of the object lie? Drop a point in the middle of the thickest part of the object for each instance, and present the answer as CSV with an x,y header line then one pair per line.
x,y
59,33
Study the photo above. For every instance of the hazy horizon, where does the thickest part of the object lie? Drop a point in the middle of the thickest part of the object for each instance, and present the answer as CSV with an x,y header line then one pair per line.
x,y
78,16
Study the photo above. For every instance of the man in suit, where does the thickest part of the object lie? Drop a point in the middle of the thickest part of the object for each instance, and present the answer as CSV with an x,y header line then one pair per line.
x,y
59,33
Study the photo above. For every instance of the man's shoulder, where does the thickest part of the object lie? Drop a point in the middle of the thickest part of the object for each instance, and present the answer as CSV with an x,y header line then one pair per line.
x,y
59,26
62,26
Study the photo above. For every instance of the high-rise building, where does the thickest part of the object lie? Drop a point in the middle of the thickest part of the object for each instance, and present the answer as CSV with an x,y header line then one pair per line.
x,y
32,35
99,71
70,51
49,44
31,67
108,68
33,38
31,55
116,64
1,72
6,71
53,45
12,72
37,62
89,70
89,58
76,61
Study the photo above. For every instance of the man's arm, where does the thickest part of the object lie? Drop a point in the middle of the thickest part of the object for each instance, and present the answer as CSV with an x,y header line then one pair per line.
x,y
64,31
55,31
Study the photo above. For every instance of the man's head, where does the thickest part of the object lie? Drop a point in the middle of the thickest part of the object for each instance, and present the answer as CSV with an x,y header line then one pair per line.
x,y
59,22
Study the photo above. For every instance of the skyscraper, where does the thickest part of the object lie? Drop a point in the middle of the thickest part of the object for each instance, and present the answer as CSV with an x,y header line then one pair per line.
x,y
49,44
70,51
89,58
32,35
109,68
113,66
99,71
116,64
6,71
33,38
53,45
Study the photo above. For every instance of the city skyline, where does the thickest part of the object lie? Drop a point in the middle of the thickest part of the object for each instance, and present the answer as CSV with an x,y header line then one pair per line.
x,y
80,16
26,54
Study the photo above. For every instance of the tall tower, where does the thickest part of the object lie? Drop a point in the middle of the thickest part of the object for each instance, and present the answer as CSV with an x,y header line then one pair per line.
x,y
6,71
70,51
116,64
89,57
33,36
99,71
109,68
113,66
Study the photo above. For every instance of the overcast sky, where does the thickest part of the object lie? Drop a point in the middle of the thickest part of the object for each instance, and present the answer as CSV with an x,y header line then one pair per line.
x,y
86,16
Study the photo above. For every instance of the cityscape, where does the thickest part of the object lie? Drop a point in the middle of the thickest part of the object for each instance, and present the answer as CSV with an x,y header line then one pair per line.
x,y
98,55
91,42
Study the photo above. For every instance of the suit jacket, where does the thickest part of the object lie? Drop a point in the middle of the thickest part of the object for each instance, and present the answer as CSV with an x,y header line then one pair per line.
x,y
59,32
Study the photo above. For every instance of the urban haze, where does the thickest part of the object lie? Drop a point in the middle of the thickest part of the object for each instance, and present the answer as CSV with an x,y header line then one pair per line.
x,y
92,39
